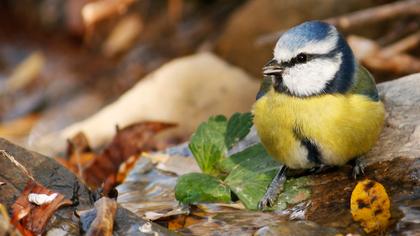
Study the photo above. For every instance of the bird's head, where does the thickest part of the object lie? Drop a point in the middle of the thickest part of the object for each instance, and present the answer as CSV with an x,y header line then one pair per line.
x,y
310,59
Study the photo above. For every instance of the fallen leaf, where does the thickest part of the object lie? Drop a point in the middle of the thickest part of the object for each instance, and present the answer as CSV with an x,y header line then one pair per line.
x,y
178,222
178,165
30,218
100,220
78,162
370,205
79,154
199,187
237,128
129,141
78,144
125,167
208,144
212,139
251,175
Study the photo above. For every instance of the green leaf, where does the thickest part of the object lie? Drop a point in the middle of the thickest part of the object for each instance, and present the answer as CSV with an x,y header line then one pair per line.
x,y
198,187
251,175
208,144
295,190
256,151
238,127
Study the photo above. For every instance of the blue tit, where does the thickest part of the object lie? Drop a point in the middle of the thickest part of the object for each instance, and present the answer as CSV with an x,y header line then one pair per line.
x,y
317,106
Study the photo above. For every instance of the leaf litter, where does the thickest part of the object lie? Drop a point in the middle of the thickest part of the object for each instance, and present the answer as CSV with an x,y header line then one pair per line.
x,y
104,167
31,219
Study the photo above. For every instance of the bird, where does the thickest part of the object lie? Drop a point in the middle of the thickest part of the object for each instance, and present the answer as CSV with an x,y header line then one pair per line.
x,y
317,106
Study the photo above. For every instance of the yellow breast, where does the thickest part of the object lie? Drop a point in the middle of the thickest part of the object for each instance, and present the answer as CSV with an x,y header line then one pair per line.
x,y
342,126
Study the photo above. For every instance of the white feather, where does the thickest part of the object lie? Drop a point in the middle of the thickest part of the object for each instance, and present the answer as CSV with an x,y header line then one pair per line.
x,y
311,77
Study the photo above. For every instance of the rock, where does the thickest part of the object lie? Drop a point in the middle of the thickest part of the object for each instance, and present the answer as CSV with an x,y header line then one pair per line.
x,y
18,165
241,42
185,91
43,169
401,134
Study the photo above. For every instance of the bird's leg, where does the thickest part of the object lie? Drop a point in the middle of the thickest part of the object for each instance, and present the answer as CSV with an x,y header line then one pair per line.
x,y
358,167
321,169
274,189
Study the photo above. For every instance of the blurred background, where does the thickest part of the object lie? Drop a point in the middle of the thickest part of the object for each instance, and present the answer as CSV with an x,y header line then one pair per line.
x,y
61,61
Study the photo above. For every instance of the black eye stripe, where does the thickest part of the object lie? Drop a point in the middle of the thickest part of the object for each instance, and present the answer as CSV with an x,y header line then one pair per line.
x,y
298,59
309,57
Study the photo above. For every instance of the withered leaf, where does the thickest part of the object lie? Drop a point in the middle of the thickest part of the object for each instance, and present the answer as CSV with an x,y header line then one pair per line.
x,y
78,143
129,141
100,220
95,169
30,218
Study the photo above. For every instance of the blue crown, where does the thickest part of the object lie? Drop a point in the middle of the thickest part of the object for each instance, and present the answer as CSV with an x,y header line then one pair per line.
x,y
302,34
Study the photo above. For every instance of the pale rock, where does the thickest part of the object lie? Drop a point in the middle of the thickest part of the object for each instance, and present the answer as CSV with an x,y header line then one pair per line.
x,y
400,136
185,91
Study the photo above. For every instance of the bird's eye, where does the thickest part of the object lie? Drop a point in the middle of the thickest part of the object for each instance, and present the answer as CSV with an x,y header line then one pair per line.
x,y
301,58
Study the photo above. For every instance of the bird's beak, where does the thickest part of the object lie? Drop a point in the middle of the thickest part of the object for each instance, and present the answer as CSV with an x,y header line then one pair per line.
x,y
272,68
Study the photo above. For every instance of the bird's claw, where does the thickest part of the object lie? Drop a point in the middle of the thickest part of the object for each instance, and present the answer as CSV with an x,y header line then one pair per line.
x,y
273,190
358,169
268,200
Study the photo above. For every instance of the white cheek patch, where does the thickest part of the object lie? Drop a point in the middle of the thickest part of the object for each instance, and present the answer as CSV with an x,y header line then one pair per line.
x,y
282,53
312,77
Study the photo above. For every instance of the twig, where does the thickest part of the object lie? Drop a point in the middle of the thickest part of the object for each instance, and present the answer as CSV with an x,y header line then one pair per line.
x,y
96,11
400,29
393,60
402,45
375,14
398,64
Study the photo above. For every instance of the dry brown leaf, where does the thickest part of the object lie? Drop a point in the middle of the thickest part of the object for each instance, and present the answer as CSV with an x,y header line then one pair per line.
x,y
177,223
129,141
105,209
125,167
78,143
30,218
97,169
